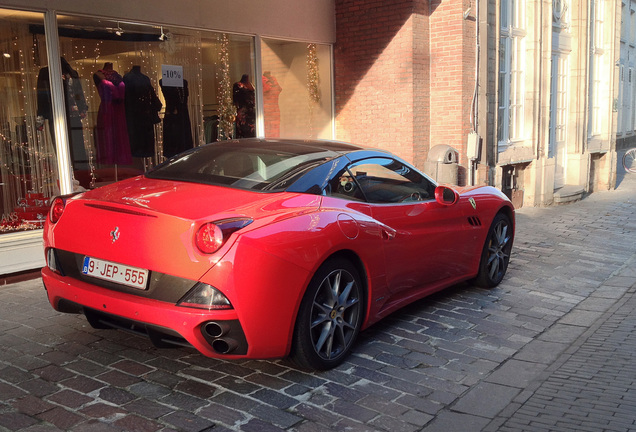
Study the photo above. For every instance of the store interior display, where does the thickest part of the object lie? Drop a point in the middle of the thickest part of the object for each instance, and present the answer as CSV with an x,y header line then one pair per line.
x,y
28,174
296,89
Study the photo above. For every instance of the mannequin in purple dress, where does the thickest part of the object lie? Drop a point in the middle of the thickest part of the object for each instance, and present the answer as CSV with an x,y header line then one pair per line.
x,y
111,137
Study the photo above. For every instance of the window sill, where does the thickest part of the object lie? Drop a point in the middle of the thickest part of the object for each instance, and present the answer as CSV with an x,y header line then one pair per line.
x,y
519,152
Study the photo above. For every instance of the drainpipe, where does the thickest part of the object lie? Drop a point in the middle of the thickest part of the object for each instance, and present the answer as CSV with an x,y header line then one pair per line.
x,y
474,108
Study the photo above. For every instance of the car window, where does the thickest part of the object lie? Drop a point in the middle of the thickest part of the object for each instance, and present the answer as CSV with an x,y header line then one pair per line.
x,y
254,168
344,186
385,180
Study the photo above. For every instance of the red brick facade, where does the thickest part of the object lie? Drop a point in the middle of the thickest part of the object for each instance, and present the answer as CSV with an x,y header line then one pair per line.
x,y
404,75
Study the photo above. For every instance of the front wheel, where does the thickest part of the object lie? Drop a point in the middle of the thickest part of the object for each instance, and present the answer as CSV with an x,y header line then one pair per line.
x,y
496,252
329,317
629,160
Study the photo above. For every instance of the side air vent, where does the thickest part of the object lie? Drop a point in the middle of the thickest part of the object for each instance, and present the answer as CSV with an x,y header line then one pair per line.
x,y
119,210
474,221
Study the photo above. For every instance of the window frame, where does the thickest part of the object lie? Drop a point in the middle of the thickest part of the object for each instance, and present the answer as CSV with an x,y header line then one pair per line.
x,y
418,182
597,52
511,103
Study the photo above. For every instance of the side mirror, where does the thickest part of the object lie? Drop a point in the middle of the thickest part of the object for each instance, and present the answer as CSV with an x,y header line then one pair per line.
x,y
446,196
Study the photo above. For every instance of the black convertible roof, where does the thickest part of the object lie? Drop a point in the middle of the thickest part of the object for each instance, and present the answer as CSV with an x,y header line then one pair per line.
x,y
289,144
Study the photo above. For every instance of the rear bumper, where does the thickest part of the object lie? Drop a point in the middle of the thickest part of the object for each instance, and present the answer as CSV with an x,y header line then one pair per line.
x,y
214,333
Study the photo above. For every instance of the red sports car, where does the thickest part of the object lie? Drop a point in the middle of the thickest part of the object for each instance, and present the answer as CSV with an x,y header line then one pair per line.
x,y
268,248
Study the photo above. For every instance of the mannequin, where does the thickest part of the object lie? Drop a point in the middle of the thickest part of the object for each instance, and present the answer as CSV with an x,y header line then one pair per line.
x,y
177,131
142,113
76,108
245,102
112,142
271,91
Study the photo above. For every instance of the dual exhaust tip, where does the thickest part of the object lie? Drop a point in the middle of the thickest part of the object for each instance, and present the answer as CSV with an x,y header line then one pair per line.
x,y
216,331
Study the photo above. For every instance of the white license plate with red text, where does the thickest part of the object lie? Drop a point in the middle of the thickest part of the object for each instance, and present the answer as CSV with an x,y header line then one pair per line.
x,y
114,272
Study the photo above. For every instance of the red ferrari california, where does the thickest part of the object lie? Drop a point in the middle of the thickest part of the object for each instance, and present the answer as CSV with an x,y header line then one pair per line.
x,y
269,248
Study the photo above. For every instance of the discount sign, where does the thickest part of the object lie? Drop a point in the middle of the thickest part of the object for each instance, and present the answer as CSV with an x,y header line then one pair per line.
x,y
171,76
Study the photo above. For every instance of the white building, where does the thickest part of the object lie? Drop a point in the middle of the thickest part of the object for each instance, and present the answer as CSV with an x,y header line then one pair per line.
x,y
563,75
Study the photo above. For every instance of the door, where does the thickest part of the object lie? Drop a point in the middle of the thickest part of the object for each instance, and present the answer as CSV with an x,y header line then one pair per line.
x,y
424,242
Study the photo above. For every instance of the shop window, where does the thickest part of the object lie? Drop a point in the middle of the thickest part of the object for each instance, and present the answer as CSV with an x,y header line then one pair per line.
x,y
143,93
229,87
296,89
28,174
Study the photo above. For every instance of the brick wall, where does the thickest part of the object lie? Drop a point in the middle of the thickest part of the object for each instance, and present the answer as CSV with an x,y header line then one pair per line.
x,y
374,74
452,55
404,75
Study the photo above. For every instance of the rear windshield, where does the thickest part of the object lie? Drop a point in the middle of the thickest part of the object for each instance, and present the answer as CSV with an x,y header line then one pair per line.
x,y
255,167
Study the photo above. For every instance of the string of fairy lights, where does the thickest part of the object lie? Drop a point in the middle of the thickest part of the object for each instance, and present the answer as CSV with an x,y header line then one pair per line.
x,y
313,85
227,110
198,67
313,74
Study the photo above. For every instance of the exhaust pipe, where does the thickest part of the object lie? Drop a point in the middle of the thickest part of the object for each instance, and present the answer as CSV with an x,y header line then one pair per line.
x,y
216,330
224,337
224,346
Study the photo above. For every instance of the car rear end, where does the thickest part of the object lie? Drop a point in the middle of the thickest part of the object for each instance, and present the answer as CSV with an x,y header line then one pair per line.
x,y
135,264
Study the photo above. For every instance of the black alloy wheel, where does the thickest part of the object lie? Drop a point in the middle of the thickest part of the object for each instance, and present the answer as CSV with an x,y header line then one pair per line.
x,y
329,317
496,252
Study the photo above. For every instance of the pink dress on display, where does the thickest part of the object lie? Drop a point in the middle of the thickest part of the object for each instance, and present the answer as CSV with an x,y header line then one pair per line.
x,y
112,142
271,91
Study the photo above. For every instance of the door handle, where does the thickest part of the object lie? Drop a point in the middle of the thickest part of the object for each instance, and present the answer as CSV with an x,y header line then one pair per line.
x,y
388,234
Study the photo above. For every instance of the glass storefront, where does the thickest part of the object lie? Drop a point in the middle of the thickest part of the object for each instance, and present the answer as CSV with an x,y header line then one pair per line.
x,y
146,93
136,94
28,162
297,100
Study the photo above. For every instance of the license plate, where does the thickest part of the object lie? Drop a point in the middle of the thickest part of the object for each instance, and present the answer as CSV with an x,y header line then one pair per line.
x,y
114,272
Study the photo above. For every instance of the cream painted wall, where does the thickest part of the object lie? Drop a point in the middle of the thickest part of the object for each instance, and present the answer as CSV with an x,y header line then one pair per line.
x,y
305,20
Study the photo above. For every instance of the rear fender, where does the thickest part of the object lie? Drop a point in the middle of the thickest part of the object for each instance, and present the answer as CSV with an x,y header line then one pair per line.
x,y
266,273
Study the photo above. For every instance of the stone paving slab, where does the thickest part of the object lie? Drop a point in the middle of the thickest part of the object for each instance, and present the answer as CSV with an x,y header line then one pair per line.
x,y
556,333
592,386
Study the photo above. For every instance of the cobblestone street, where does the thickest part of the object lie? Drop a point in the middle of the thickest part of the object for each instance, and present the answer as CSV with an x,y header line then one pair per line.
x,y
551,348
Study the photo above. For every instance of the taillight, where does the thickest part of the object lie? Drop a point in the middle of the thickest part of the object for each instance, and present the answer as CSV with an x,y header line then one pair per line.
x,y
212,235
57,208
204,296
209,238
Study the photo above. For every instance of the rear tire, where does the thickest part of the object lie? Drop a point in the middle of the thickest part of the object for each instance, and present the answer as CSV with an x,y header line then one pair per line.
x,y
496,252
329,317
